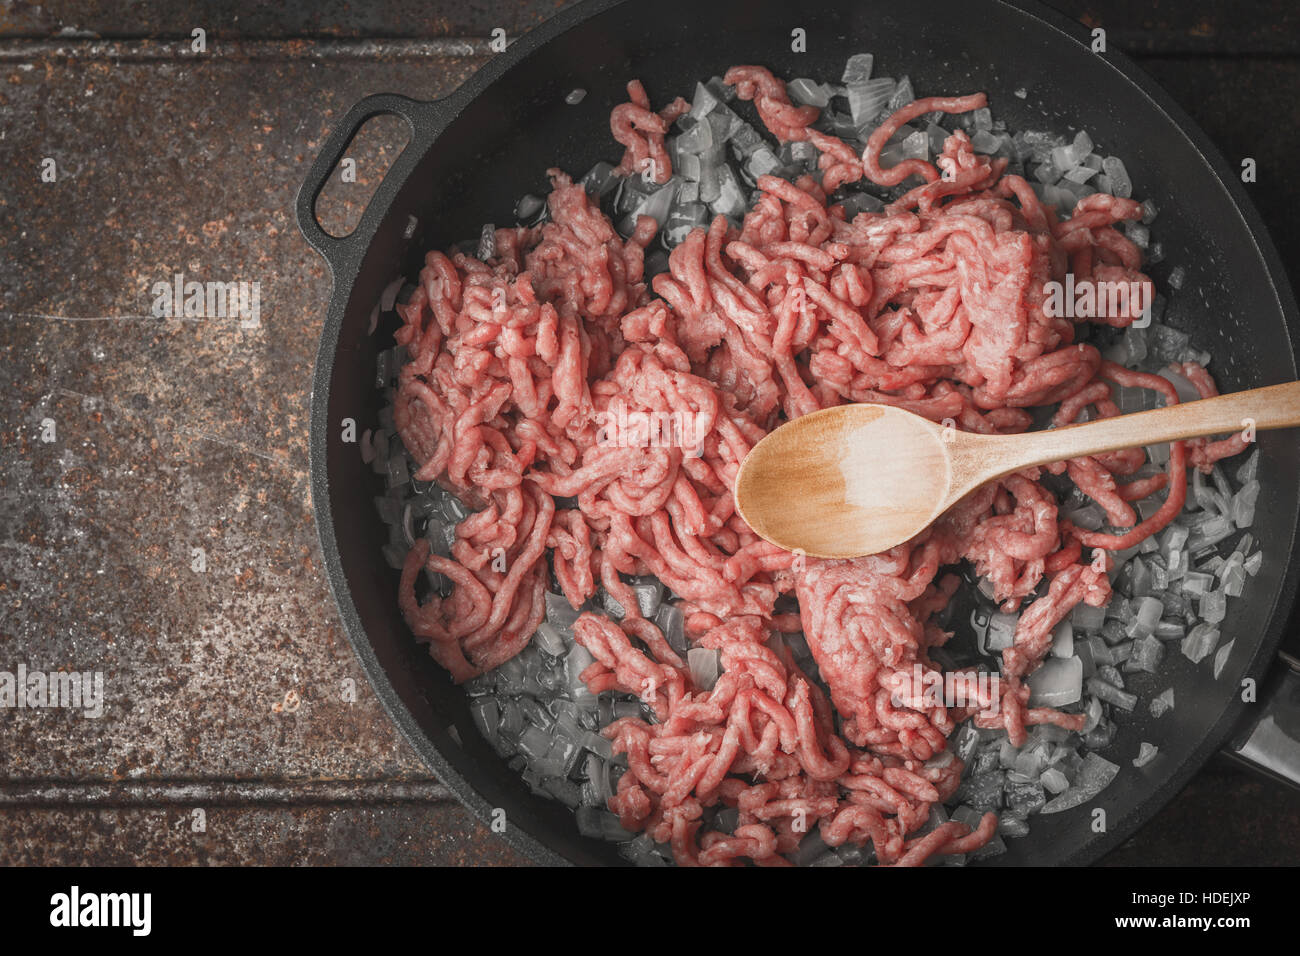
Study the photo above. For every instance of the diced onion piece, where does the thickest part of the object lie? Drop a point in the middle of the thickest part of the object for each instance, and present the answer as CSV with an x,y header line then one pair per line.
x,y
1094,776
1199,642
1146,753
1221,658
1057,682
1162,703
1063,639
705,666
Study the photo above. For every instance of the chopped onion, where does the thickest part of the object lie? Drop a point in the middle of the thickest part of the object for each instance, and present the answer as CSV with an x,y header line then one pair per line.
x,y
705,665
1111,694
1221,658
1243,504
1057,682
1214,606
1146,753
1054,781
1162,703
672,622
1088,618
1199,642
1094,776
1063,639
868,99
1002,631
808,92
1147,613
550,639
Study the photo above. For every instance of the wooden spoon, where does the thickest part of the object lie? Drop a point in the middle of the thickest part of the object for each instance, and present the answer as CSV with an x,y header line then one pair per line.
x,y
859,479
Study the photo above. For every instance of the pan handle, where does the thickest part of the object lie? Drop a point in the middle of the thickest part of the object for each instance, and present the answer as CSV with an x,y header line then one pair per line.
x,y
426,119
1270,740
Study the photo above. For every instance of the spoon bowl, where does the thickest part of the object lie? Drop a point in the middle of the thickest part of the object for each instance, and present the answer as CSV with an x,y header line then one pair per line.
x,y
859,479
846,481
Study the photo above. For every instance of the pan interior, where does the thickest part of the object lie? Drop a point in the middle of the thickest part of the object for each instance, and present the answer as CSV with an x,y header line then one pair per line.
x,y
499,147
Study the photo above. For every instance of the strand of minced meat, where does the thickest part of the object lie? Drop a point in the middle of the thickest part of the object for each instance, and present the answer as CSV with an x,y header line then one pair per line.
x,y
641,132
518,364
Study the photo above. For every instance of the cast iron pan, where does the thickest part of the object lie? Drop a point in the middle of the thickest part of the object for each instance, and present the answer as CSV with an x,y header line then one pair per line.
x,y
475,152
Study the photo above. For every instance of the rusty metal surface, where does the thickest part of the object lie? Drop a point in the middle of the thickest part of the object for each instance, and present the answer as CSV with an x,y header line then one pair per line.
x,y
172,435
1254,27
251,19
355,834
232,690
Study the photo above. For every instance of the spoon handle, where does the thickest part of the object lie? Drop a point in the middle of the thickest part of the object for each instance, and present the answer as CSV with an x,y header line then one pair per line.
x,y
1258,409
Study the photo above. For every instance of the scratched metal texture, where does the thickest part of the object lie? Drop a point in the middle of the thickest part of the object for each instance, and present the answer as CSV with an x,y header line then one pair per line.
x,y
232,691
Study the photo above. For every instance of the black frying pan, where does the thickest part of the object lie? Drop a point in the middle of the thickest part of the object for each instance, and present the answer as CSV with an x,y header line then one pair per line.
x,y
475,152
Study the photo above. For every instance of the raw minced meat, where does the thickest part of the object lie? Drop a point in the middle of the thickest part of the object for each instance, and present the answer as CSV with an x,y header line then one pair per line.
x,y
936,304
